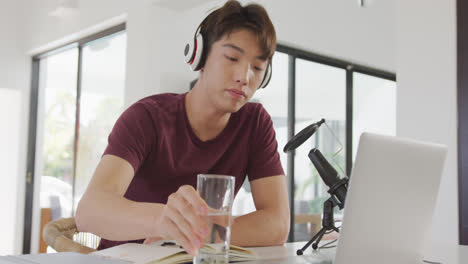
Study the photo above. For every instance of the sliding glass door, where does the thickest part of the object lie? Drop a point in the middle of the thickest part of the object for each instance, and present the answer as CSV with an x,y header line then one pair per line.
x,y
352,99
101,103
80,95
56,131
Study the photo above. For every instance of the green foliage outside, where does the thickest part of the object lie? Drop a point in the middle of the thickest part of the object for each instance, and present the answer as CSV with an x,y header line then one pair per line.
x,y
59,134
59,127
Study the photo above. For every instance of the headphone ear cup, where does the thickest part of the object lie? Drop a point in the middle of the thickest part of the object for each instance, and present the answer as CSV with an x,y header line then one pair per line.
x,y
195,52
188,52
267,76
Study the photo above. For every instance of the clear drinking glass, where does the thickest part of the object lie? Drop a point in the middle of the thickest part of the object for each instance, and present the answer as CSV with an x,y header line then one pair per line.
x,y
218,193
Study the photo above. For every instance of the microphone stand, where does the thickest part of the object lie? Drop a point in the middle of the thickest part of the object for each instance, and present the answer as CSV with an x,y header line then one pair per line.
x,y
330,177
328,223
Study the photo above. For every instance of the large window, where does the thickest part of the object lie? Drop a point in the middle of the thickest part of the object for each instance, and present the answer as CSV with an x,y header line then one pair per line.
x,y
352,99
80,94
102,101
56,130
320,92
305,88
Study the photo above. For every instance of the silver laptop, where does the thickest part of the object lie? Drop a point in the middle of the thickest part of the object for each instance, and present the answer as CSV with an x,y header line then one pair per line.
x,y
390,200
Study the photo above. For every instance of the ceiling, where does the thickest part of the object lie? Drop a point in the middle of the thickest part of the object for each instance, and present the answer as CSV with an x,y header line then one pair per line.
x,y
179,5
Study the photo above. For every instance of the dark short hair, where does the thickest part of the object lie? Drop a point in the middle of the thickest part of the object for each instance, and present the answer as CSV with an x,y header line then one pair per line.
x,y
233,16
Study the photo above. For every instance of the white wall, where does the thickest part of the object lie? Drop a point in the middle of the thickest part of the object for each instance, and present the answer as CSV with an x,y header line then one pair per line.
x,y
14,102
10,113
43,29
341,29
426,104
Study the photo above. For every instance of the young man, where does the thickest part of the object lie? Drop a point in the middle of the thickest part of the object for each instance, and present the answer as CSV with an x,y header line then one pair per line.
x,y
144,185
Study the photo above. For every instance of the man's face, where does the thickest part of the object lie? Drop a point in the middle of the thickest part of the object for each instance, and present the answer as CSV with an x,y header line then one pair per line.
x,y
233,70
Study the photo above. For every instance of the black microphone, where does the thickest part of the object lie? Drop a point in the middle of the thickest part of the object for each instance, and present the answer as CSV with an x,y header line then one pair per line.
x,y
302,136
338,187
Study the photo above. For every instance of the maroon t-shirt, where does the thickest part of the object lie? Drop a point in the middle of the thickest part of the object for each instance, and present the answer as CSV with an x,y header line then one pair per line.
x,y
155,137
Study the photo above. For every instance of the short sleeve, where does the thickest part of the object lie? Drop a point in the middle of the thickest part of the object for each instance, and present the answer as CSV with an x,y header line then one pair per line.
x,y
264,160
133,136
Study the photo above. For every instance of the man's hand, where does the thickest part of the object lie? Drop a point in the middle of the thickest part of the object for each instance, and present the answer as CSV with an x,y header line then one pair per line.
x,y
184,220
221,220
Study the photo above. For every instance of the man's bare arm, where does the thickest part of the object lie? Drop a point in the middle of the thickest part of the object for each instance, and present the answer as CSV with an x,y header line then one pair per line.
x,y
269,224
105,212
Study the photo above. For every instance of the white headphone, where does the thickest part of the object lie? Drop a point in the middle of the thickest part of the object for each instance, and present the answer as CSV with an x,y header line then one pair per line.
x,y
193,53
194,50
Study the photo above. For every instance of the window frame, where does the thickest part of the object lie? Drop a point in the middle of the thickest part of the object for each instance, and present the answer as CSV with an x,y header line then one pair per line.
x,y
462,114
350,68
